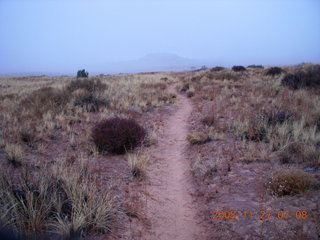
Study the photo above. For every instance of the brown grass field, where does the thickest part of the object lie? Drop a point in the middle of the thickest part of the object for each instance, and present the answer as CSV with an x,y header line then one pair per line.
x,y
226,154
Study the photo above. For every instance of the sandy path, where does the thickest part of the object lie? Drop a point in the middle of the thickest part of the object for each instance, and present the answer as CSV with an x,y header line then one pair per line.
x,y
170,206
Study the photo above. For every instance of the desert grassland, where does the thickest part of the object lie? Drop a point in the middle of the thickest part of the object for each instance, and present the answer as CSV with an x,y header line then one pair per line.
x,y
50,180
246,122
26,106
254,141
257,109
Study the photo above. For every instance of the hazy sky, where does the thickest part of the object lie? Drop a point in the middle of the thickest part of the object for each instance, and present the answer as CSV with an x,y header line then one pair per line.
x,y
63,36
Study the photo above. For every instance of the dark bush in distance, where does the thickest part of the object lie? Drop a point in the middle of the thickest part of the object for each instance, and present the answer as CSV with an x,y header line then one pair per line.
x,y
255,66
216,69
238,68
274,71
309,78
117,135
82,74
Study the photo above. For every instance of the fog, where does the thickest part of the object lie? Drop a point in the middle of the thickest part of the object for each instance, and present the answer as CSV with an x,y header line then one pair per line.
x,y
126,36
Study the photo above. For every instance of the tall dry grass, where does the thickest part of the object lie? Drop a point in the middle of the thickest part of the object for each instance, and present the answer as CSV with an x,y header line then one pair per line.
x,y
61,199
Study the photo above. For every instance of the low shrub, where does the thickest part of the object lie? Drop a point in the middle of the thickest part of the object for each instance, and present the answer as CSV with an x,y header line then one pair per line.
x,y
208,120
226,76
256,66
198,138
276,115
274,71
308,78
293,81
196,79
88,93
300,152
28,136
257,132
190,92
89,102
90,85
204,168
216,69
253,129
43,100
117,135
290,181
185,88
238,68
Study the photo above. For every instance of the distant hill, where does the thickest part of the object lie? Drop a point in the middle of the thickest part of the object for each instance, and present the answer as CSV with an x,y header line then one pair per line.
x,y
154,62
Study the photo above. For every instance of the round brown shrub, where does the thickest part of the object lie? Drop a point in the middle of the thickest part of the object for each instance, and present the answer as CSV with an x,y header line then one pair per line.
x,y
116,135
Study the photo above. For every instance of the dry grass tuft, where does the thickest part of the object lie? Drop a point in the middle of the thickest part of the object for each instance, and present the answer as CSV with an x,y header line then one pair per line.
x,y
204,168
198,138
14,154
290,181
138,164
63,200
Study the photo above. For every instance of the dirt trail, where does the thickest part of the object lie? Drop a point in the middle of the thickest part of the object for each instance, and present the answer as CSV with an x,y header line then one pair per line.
x,y
170,206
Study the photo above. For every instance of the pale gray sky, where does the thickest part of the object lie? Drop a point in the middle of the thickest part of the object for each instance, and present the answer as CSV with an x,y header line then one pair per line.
x,y
64,36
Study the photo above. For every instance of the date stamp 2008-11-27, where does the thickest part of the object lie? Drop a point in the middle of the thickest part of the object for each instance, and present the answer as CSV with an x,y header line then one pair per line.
x,y
262,215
